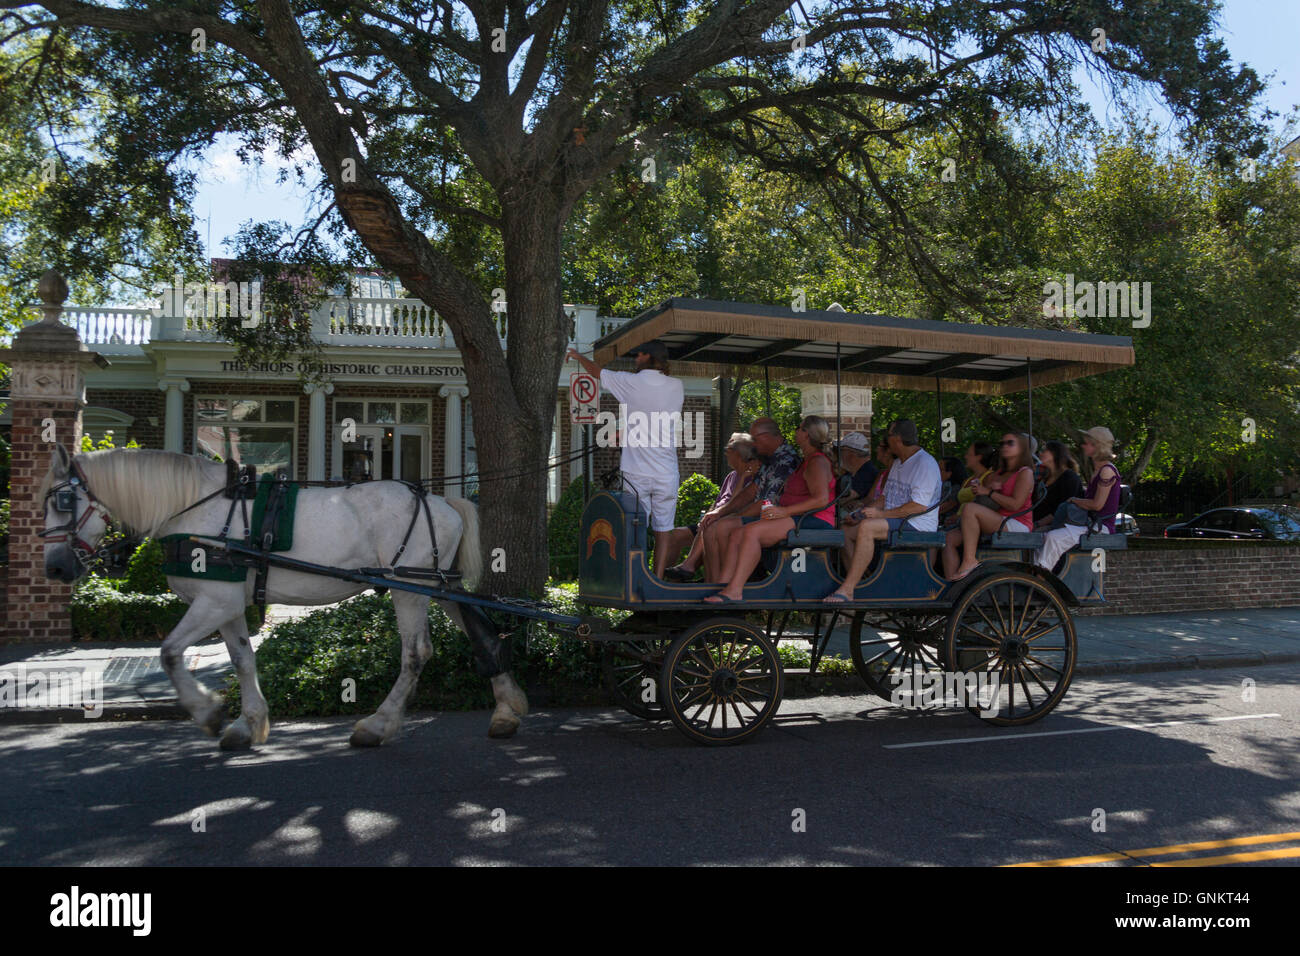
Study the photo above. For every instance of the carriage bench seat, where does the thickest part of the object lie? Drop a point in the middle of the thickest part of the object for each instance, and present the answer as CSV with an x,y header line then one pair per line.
x,y
916,539
1022,540
815,538
1107,542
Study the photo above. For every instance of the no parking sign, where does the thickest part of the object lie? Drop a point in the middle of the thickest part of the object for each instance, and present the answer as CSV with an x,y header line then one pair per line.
x,y
584,398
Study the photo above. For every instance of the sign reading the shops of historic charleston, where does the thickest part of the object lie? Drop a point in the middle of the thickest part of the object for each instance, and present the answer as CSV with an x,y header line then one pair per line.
x,y
393,370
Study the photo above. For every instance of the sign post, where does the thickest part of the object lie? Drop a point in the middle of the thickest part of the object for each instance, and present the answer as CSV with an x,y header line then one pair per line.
x,y
584,403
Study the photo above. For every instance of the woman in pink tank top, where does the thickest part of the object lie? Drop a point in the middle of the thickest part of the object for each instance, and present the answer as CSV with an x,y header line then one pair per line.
x,y
1011,489
807,496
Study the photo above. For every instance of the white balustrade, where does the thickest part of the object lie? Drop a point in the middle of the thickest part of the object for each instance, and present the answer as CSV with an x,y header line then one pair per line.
x,y
392,322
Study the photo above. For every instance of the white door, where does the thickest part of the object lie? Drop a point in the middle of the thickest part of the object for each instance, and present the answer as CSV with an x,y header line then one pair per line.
x,y
364,458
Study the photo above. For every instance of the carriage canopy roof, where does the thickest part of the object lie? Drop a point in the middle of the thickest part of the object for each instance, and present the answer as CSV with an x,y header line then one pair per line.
x,y
706,337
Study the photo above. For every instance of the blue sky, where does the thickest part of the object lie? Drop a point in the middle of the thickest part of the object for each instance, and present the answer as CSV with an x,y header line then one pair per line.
x,y
1261,33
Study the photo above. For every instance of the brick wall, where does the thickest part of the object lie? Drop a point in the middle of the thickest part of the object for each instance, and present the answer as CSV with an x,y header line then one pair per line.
x,y
1142,581
139,404
44,603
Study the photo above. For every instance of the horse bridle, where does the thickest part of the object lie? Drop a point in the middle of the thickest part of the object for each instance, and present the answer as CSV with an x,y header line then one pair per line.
x,y
65,502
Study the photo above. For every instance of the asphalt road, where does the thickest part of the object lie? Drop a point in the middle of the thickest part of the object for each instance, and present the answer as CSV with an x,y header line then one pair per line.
x,y
875,786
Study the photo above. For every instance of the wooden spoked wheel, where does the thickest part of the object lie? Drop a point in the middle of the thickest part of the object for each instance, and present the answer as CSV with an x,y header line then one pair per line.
x,y
1014,627
632,670
893,644
722,681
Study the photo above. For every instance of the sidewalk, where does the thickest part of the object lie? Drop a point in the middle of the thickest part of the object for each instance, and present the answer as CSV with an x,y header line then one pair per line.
x,y
134,684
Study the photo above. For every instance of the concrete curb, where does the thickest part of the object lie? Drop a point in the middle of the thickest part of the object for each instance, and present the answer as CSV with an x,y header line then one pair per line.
x,y
113,711
1202,662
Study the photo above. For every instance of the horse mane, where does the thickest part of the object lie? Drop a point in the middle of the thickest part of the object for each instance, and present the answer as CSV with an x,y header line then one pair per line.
x,y
143,487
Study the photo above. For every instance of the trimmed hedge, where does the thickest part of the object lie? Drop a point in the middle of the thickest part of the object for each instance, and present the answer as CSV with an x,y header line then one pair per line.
x,y
137,607
303,664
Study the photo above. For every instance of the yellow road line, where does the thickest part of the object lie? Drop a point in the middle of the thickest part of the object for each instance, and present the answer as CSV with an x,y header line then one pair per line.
x,y
1282,854
1165,850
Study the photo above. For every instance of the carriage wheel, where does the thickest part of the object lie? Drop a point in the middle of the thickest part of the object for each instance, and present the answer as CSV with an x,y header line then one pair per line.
x,y
631,670
1013,626
904,642
722,681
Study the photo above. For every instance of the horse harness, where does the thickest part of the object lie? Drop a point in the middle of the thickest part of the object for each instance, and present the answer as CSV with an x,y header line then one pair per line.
x,y
241,485
65,502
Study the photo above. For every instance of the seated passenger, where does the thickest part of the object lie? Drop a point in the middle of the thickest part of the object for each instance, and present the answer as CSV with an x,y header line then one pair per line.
x,y
981,460
808,495
850,517
953,473
1011,490
778,460
742,458
911,490
1101,496
855,457
1062,481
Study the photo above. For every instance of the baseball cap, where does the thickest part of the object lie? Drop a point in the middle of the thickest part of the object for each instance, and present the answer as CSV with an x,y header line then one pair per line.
x,y
855,441
655,349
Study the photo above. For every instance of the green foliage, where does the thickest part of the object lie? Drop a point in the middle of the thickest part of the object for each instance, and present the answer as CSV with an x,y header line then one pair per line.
x,y
786,406
144,573
102,612
4,521
303,664
105,442
562,532
695,496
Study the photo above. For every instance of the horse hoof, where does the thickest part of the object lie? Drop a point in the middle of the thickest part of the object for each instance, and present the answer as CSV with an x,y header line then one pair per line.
x,y
504,723
365,737
211,724
236,738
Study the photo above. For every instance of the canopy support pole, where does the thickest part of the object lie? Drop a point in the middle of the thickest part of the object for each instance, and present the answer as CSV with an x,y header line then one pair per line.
x,y
938,397
767,391
837,391
1029,380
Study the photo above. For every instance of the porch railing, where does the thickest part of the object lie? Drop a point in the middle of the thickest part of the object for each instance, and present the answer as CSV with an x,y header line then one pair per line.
x,y
341,320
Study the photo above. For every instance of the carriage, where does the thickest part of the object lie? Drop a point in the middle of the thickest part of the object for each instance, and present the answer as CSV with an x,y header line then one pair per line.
x,y
1003,637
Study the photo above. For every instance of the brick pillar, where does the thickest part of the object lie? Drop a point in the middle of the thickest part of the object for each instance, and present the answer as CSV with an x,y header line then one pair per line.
x,y
854,405
48,363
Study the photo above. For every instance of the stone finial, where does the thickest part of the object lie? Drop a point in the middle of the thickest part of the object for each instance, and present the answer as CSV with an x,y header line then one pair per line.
x,y
49,334
53,290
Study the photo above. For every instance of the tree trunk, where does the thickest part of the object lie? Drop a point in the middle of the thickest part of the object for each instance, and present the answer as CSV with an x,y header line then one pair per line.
x,y
1144,458
513,419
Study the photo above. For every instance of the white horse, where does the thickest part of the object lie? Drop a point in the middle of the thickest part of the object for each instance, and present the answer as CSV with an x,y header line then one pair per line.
x,y
361,525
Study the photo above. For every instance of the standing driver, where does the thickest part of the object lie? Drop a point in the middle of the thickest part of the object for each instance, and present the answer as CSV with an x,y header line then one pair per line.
x,y
649,458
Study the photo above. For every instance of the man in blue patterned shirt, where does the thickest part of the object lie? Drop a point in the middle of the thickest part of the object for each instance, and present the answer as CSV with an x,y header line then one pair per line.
x,y
779,460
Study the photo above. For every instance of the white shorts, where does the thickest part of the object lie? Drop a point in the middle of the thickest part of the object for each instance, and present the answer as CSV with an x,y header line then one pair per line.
x,y
657,495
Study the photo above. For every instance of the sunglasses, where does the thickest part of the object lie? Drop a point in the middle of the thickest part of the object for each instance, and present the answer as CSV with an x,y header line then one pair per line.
x,y
1009,441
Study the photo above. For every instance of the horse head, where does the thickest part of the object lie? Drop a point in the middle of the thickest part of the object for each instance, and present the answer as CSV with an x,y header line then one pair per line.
x,y
74,520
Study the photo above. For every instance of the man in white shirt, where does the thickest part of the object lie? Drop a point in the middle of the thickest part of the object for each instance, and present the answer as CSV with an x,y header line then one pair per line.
x,y
911,492
652,407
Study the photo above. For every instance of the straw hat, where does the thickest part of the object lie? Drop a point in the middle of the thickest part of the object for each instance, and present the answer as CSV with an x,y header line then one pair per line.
x,y
1103,439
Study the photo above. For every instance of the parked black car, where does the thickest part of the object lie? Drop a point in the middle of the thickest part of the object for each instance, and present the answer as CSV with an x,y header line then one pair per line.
x,y
1274,522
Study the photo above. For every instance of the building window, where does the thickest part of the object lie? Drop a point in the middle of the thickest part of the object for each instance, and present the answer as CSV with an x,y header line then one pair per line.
x,y
256,431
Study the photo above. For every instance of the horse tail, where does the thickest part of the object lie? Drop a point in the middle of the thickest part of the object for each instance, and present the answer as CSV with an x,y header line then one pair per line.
x,y
469,557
